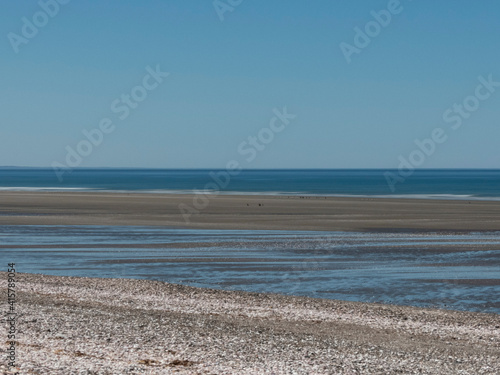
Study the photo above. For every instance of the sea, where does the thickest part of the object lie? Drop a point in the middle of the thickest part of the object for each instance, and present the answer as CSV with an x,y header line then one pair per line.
x,y
436,183
459,271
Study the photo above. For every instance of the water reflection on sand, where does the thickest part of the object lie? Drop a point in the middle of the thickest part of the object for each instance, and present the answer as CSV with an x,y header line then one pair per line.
x,y
449,270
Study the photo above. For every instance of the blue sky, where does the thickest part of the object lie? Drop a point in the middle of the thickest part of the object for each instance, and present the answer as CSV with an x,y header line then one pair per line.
x,y
226,77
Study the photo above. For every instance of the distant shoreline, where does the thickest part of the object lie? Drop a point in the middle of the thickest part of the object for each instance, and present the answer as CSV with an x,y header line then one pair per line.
x,y
458,197
278,212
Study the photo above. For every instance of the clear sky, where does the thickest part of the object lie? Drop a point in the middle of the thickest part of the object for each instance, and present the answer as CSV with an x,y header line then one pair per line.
x,y
227,76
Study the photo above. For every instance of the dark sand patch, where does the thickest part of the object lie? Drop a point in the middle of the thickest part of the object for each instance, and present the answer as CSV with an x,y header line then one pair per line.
x,y
232,212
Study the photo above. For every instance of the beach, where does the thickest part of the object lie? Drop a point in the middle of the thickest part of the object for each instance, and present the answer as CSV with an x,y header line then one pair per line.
x,y
123,326
119,326
248,211
233,187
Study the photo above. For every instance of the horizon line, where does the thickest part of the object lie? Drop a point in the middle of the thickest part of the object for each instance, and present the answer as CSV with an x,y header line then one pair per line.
x,y
255,169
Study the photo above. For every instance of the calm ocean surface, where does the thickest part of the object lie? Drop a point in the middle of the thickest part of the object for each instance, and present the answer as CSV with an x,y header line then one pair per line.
x,y
446,183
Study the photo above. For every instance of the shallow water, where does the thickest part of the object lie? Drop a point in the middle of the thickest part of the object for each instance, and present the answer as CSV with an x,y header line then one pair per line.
x,y
455,271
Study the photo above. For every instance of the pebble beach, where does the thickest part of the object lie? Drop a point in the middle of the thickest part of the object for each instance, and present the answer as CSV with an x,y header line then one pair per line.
x,y
69,325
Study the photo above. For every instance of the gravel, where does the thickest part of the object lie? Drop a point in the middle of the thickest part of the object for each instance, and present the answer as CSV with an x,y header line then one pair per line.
x,y
69,325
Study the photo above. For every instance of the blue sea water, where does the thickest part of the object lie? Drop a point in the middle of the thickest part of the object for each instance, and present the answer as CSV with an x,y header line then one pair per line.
x,y
444,183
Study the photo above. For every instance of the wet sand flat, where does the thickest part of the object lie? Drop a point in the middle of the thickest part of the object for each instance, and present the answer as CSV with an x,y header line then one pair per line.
x,y
248,212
